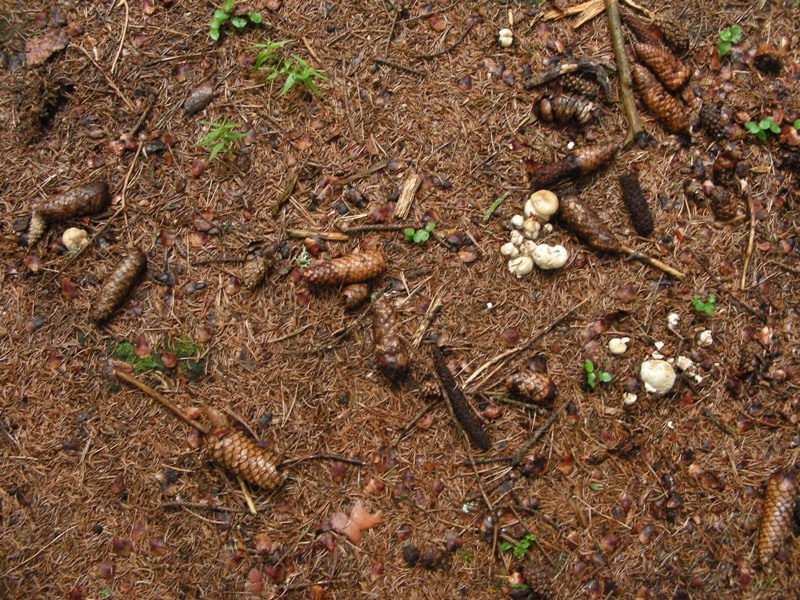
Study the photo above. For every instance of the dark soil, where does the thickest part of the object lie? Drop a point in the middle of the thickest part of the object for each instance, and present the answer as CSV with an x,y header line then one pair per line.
x,y
106,494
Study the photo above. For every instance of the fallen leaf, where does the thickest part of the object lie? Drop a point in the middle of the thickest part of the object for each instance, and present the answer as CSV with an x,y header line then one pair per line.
x,y
40,48
359,520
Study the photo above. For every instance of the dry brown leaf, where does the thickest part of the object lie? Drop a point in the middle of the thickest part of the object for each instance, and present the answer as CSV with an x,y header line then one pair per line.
x,y
40,48
359,520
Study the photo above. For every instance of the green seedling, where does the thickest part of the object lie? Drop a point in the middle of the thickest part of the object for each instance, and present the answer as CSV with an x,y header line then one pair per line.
x,y
304,258
225,13
727,38
761,128
796,124
520,547
706,307
220,138
418,235
296,71
267,57
593,377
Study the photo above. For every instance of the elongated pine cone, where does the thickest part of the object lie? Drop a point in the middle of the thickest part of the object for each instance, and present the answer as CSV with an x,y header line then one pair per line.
x,y
354,295
578,162
36,228
665,108
587,225
535,387
572,83
636,204
645,33
675,34
255,268
234,451
352,268
391,352
87,200
723,205
566,109
776,519
669,69
119,284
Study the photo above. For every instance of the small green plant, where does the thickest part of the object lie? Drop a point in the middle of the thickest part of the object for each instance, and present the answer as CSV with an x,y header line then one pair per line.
x,y
304,258
520,547
295,69
418,235
796,124
184,347
225,14
126,353
761,128
727,38
706,307
220,138
593,377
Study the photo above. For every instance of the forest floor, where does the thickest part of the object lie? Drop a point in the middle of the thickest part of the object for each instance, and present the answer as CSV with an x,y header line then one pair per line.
x,y
104,493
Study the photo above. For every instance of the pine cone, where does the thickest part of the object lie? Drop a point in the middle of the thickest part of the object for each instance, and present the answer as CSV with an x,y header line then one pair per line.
x,y
669,69
591,158
234,451
87,200
644,33
587,225
675,34
635,202
353,268
723,205
538,583
354,295
566,110
666,108
36,228
255,269
714,121
779,504
390,350
579,162
124,278
580,86
535,387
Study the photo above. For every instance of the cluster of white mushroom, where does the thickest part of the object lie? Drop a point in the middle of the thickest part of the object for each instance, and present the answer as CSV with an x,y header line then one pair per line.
x,y
522,251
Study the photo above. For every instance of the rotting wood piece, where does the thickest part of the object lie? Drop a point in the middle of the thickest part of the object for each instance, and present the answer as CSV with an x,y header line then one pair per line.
x,y
463,412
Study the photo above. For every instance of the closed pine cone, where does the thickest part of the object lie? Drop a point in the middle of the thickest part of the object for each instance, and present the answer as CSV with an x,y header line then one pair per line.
x,y
669,69
636,203
580,86
352,268
723,205
714,121
391,352
535,387
675,34
234,451
665,108
255,269
776,519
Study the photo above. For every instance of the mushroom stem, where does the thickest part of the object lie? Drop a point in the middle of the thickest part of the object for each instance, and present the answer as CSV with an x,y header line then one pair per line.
x,y
653,262
158,397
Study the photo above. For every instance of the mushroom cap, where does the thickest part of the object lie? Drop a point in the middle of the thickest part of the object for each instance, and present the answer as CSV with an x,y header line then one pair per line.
x,y
74,238
550,257
521,265
658,376
542,204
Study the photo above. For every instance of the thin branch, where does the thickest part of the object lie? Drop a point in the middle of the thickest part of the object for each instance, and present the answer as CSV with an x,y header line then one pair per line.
x,y
653,262
751,236
248,498
121,37
335,457
287,191
635,128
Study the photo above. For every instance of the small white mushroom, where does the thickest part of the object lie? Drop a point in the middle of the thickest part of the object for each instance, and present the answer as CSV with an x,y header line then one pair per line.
x,y
542,204
550,257
520,266
547,228
705,338
74,239
629,399
531,228
517,238
528,247
684,363
672,321
658,376
505,38
509,250
618,345
517,221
